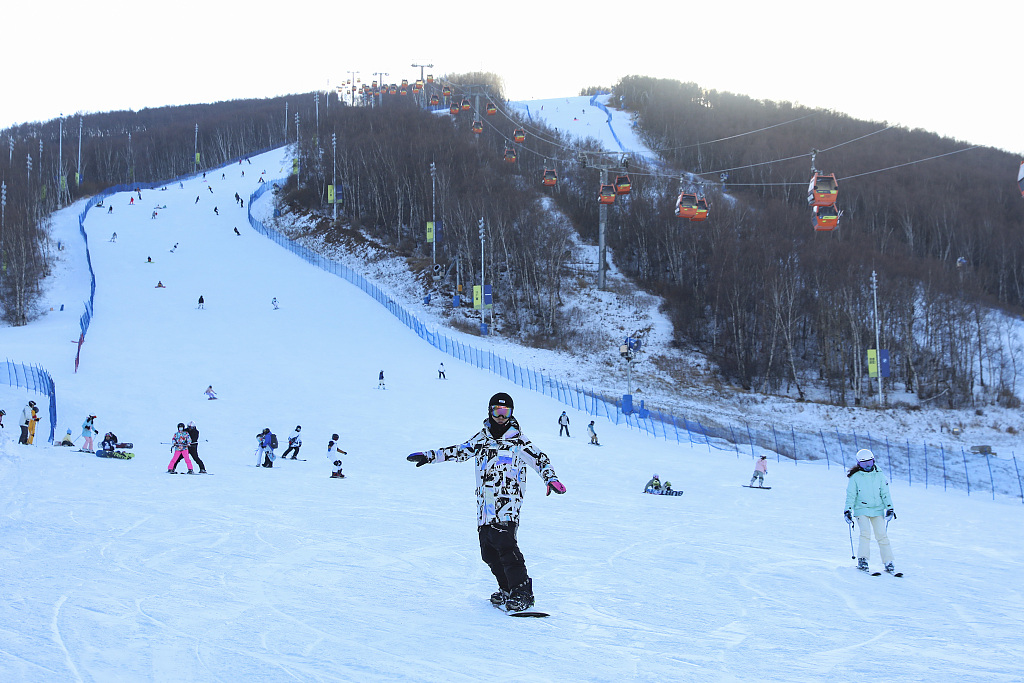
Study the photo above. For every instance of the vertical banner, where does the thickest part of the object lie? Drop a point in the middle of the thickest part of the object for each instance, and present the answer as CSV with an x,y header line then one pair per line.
x,y
488,301
197,158
330,194
295,166
477,296
872,363
430,232
883,362
78,178
63,183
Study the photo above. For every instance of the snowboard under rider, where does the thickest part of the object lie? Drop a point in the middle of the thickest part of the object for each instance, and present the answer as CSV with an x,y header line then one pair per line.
x,y
332,448
502,454
294,444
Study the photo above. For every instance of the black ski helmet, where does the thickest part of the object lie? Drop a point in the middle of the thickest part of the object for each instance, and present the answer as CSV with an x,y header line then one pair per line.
x,y
181,425
500,399
334,437
298,428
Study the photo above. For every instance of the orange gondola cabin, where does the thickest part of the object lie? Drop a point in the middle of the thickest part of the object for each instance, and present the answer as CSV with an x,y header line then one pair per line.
x,y
510,155
491,109
550,178
823,190
446,91
466,106
686,205
478,127
826,218
1020,178
434,100
702,210
454,109
519,135
607,194
623,184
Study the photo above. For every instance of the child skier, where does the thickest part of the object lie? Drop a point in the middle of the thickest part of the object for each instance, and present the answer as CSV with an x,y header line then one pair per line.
x,y
592,433
332,448
867,499
502,455
563,424
87,431
179,449
760,469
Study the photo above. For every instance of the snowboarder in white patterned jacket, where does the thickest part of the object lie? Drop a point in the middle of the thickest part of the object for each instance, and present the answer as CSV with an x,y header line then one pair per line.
x,y
502,455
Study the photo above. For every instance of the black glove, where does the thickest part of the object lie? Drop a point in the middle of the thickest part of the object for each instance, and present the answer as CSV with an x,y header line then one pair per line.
x,y
890,514
418,458
848,516
337,463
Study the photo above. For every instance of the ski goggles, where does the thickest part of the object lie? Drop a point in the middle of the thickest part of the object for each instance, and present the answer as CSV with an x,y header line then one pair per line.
x,y
866,464
501,411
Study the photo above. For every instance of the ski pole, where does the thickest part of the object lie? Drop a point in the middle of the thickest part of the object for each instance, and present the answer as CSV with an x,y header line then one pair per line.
x,y
853,555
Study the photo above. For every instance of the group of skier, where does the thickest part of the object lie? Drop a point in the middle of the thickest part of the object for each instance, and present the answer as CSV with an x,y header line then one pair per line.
x,y
266,443
563,428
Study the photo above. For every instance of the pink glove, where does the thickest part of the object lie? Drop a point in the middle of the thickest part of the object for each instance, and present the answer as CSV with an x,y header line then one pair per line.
x,y
556,486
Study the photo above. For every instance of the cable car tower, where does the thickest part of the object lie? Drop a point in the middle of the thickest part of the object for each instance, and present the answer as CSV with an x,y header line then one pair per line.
x,y
605,162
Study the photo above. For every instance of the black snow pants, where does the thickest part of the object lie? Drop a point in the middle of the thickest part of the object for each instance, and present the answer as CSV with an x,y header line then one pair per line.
x,y
500,550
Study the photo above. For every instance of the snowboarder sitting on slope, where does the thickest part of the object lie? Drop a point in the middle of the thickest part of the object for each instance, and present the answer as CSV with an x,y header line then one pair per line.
x,y
109,442
867,499
653,486
760,469
331,450
502,455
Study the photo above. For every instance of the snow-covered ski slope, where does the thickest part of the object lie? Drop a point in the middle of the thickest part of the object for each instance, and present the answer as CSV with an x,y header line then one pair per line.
x,y
115,571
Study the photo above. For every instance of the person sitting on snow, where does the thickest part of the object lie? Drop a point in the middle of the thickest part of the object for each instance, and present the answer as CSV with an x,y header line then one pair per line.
x,y
653,486
67,441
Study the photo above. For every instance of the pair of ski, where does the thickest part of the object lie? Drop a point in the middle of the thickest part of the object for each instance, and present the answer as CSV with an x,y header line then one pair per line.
x,y
897,574
766,488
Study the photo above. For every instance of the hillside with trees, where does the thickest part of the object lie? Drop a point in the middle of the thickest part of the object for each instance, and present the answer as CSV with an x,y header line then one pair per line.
x,y
773,303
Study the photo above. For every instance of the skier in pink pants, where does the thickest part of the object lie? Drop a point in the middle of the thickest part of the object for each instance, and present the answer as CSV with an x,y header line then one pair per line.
x,y
179,449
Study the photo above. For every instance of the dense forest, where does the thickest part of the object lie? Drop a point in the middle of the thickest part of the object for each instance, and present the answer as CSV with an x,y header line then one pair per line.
x,y
937,225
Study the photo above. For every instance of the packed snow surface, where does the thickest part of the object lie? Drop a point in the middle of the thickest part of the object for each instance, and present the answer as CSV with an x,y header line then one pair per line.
x,y
116,571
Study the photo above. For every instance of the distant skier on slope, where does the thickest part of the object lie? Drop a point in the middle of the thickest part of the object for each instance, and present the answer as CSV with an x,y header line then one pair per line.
x,y
333,448
502,455
760,469
294,443
563,424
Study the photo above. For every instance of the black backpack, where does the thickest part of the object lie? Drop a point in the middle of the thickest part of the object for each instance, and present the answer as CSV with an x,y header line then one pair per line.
x,y
273,440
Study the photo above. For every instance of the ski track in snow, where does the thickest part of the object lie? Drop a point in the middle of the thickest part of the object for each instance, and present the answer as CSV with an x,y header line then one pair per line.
x,y
118,572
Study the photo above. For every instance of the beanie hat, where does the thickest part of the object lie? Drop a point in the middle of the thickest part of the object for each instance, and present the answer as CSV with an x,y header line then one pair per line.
x,y
864,454
500,399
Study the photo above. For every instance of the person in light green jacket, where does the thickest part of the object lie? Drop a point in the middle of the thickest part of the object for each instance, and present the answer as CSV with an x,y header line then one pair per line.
x,y
867,499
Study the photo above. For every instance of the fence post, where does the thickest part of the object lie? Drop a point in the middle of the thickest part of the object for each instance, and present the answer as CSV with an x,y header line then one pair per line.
x,y
942,454
967,475
990,480
824,447
1019,485
793,434
925,463
752,453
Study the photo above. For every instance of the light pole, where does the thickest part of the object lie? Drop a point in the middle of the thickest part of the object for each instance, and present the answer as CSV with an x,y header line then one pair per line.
x,y
878,353
316,106
286,121
298,165
483,306
334,176
352,87
380,86
433,211
78,174
195,152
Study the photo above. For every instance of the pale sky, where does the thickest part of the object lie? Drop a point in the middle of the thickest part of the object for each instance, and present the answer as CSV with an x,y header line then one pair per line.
x,y
907,63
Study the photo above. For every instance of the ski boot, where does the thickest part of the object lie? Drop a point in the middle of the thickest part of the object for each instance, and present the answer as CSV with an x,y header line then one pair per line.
x,y
889,568
862,564
521,597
